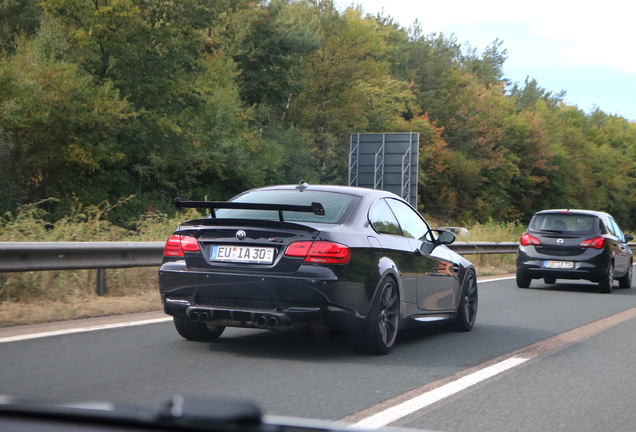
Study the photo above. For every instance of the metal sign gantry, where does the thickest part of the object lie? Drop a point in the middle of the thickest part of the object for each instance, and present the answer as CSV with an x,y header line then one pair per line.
x,y
387,161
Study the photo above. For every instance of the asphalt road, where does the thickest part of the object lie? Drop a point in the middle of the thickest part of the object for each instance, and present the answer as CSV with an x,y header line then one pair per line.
x,y
587,383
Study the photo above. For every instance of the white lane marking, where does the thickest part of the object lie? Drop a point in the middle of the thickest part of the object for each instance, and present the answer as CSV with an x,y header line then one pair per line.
x,y
379,416
404,409
83,330
495,280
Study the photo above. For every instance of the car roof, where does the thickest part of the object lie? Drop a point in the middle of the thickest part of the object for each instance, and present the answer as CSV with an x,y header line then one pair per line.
x,y
574,211
351,190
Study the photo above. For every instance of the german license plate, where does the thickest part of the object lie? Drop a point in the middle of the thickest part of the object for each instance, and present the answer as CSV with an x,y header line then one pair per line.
x,y
242,254
559,264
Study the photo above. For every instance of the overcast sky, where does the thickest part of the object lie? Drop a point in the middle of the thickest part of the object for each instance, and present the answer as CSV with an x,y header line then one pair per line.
x,y
584,48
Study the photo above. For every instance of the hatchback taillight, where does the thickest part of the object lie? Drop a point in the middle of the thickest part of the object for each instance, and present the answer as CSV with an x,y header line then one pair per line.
x,y
323,252
528,240
178,244
594,242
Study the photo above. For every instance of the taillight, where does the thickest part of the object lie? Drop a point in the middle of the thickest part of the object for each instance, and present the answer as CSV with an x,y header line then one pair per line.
x,y
323,252
528,240
594,242
298,249
178,244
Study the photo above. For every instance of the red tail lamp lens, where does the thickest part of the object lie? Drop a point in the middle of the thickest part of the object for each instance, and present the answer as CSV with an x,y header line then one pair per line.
x,y
528,240
298,249
178,244
323,252
594,242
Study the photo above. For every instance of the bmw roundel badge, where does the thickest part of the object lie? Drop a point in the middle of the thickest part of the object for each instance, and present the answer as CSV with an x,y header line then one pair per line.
x,y
240,234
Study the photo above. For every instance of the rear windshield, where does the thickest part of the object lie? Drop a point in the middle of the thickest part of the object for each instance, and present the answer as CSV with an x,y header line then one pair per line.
x,y
337,206
565,223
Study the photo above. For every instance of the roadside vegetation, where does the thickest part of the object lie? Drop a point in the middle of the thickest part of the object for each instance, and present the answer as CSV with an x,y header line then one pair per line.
x,y
34,297
102,100
42,296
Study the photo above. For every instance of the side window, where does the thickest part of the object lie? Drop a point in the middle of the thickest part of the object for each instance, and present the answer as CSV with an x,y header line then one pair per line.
x,y
610,226
383,219
412,224
617,230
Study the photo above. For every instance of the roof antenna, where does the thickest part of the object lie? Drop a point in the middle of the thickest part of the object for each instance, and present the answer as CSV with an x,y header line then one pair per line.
x,y
302,185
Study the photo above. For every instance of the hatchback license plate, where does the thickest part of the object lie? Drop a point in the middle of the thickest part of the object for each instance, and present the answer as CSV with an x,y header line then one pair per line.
x,y
242,254
559,264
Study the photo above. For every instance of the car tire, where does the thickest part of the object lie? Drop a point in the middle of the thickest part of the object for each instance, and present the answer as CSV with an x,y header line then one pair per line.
x,y
467,310
196,331
381,327
549,280
626,281
523,281
606,284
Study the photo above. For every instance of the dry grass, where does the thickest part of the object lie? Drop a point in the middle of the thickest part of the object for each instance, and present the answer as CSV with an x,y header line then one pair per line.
x,y
493,264
40,311
36,297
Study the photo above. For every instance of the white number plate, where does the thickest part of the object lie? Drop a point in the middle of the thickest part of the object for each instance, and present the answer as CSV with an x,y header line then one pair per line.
x,y
242,254
559,264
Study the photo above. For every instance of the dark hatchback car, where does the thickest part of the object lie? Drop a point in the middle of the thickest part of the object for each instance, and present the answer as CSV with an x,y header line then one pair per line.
x,y
335,257
574,244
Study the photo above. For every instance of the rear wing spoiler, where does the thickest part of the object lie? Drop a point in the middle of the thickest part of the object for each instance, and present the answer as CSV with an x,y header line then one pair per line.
x,y
315,208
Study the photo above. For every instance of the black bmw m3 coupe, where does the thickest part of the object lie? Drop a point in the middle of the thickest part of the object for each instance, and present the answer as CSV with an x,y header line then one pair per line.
x,y
334,257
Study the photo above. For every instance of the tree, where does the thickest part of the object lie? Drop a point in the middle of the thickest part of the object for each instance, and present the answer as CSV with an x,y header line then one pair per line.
x,y
18,18
59,129
271,55
331,104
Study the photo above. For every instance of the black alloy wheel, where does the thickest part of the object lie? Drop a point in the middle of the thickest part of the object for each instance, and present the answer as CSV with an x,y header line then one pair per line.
x,y
197,331
381,327
523,281
606,284
467,310
626,281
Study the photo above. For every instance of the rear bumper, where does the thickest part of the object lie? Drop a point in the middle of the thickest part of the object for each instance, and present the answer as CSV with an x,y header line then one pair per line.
x,y
263,302
591,265
245,317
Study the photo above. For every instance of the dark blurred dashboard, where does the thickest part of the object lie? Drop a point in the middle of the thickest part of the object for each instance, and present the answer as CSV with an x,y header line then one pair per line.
x,y
178,414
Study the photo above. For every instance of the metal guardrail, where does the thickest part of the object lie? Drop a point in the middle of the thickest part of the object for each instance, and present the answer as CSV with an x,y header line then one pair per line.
x,y
470,248
35,256
38,256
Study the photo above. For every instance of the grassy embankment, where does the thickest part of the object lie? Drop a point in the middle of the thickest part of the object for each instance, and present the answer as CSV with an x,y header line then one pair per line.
x,y
33,297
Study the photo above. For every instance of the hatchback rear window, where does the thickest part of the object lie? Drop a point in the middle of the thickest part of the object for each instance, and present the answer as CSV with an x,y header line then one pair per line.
x,y
337,206
565,223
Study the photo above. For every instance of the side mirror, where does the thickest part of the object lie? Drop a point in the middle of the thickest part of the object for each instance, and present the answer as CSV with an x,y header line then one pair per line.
x,y
629,237
440,237
445,237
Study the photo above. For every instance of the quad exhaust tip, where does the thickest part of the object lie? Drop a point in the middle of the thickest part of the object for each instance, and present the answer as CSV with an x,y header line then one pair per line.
x,y
261,321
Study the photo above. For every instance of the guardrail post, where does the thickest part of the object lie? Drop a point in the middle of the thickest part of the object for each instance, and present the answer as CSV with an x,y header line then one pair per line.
x,y
100,290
